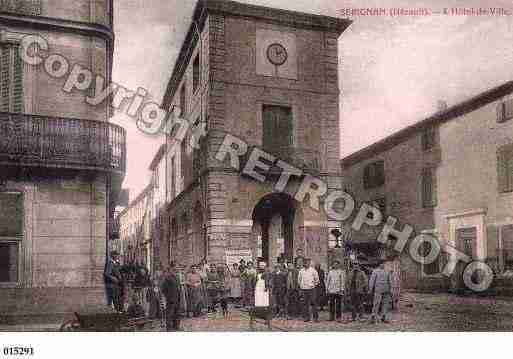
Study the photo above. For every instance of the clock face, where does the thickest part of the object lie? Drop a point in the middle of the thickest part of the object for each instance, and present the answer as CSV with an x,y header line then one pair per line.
x,y
277,54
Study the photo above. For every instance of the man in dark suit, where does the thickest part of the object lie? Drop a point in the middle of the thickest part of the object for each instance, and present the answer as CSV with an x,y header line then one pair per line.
x,y
113,281
172,292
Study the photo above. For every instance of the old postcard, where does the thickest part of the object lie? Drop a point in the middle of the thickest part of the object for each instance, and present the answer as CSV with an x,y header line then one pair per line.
x,y
259,165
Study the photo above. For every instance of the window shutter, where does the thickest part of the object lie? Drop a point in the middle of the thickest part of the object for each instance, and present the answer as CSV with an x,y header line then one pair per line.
x,y
500,112
366,177
17,96
5,77
505,168
508,110
434,185
429,192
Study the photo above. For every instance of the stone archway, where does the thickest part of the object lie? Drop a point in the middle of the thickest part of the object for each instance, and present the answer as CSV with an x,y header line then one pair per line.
x,y
274,219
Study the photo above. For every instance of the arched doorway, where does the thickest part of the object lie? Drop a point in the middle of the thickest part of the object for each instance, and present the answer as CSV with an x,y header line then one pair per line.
x,y
273,227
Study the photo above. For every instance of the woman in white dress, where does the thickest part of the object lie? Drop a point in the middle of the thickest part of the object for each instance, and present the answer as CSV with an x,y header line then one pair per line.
x,y
262,288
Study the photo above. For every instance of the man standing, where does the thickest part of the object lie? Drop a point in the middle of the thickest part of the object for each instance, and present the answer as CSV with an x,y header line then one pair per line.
x,y
381,284
335,286
308,280
113,281
357,287
193,282
292,291
172,292
279,289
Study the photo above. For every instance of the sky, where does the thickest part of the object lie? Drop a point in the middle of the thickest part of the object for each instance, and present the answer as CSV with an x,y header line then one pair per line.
x,y
392,70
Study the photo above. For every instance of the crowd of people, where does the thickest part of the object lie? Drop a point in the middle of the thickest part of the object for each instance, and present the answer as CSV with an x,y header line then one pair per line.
x,y
295,289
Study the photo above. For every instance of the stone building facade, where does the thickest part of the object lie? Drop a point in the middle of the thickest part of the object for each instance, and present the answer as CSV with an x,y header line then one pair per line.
x,y
135,229
270,78
449,175
61,162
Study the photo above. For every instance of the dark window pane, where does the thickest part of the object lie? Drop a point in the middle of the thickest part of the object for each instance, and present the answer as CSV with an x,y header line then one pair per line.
x,y
182,100
428,139
8,262
505,168
374,175
507,246
277,130
196,74
11,214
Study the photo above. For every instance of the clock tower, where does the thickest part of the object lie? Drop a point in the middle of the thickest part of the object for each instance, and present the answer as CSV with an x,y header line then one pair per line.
x,y
269,77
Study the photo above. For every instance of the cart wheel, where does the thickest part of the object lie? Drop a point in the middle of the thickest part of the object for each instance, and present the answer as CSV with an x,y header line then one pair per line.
x,y
70,326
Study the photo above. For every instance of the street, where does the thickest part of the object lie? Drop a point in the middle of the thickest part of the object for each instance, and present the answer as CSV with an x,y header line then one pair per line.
x,y
418,312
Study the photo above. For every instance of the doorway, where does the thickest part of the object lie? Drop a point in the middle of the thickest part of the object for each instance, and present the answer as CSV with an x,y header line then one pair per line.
x,y
273,219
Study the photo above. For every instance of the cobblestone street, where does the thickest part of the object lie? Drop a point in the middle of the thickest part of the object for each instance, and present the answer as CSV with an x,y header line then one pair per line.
x,y
419,312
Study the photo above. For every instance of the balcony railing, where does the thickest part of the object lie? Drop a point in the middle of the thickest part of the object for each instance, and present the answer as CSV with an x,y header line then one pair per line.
x,y
32,140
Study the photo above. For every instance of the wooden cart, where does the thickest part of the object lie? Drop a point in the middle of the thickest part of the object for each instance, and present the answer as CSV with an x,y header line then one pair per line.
x,y
106,322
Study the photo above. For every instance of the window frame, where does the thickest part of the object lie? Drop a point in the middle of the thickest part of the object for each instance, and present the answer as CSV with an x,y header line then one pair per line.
x,y
501,229
501,110
196,73
290,108
8,104
18,241
434,233
433,201
428,138
371,179
505,155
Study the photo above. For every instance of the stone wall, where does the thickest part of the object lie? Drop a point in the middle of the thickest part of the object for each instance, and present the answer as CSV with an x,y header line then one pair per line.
x,y
63,247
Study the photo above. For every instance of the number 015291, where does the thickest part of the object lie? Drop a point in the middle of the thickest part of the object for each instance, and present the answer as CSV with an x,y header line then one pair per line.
x,y
18,351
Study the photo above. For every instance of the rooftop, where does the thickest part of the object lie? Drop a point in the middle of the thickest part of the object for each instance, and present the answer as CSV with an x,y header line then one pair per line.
x,y
450,113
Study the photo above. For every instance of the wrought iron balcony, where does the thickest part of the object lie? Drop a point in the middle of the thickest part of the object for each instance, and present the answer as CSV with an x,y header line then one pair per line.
x,y
32,140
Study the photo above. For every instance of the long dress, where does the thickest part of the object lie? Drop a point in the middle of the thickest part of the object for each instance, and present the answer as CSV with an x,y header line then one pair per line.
x,y
235,285
261,294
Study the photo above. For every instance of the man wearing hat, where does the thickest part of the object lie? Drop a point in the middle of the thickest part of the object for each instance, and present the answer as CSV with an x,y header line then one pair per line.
x,y
357,287
113,281
171,290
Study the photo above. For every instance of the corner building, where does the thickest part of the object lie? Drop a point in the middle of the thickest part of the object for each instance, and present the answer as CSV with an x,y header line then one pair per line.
x,y
270,78
61,161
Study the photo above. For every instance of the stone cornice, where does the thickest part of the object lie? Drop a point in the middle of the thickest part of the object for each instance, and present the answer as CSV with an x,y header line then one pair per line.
x,y
279,16
232,8
46,23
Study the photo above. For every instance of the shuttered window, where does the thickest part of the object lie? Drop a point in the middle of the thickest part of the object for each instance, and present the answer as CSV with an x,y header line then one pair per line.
x,y
277,130
196,74
11,79
11,235
505,168
505,111
507,246
374,175
428,138
429,197
182,100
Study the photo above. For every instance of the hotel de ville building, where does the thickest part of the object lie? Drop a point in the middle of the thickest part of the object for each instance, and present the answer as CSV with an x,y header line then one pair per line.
x,y
270,78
